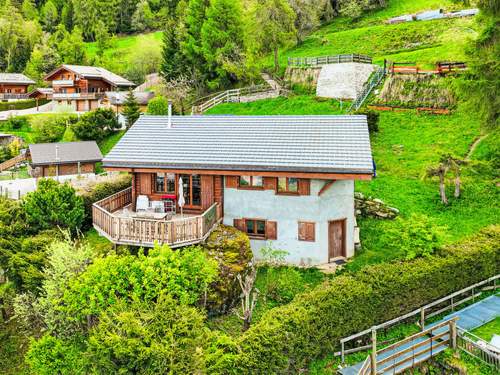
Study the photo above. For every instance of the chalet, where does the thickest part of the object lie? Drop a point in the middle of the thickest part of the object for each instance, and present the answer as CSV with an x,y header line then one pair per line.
x,y
83,87
116,99
284,179
14,86
61,159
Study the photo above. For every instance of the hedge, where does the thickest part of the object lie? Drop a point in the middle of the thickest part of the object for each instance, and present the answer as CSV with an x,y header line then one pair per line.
x,y
288,337
21,104
95,193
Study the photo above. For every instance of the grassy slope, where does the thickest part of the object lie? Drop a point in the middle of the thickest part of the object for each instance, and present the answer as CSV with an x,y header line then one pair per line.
x,y
487,331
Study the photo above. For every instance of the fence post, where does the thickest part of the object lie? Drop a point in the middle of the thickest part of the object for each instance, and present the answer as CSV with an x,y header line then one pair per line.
x,y
453,334
373,355
422,318
342,355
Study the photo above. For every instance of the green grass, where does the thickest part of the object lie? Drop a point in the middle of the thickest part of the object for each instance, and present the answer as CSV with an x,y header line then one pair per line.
x,y
487,331
15,174
109,142
294,105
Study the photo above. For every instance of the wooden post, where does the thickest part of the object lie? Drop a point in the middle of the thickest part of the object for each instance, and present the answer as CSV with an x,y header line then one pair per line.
x,y
453,334
422,318
373,355
473,298
342,351
452,305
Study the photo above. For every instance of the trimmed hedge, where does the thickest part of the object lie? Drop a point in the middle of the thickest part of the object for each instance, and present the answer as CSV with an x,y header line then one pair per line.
x,y
288,337
21,104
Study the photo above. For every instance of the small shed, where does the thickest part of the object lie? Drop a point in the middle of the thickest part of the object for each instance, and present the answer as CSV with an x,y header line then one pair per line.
x,y
64,158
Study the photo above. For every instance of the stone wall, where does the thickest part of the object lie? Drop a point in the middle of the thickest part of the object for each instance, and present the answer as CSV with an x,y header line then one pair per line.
x,y
307,77
369,207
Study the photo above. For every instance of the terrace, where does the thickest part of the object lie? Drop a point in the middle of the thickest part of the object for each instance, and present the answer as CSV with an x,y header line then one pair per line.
x,y
115,219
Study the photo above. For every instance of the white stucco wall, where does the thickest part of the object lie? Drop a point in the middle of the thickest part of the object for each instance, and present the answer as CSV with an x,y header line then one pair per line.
x,y
335,203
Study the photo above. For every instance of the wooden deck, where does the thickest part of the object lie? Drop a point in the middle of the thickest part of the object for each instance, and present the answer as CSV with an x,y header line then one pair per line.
x,y
109,221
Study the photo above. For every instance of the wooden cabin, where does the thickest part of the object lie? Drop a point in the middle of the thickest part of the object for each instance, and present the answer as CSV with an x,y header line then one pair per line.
x,y
14,86
288,180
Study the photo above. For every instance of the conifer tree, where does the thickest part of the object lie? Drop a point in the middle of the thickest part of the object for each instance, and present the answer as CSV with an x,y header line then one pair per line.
x,y
131,110
171,65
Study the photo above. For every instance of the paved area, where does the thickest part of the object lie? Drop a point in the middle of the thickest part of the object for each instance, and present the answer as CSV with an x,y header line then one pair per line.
x,y
4,115
343,81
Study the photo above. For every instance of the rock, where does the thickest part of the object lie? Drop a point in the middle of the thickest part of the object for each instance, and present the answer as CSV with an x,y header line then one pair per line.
x,y
376,200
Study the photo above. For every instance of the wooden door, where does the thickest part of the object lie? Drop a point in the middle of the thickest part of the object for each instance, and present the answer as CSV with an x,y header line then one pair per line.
x,y
336,238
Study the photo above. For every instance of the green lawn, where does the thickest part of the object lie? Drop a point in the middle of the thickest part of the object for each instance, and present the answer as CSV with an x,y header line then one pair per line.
x,y
487,331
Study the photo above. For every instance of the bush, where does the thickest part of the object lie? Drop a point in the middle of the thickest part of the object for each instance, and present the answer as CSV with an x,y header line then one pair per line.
x,y
231,249
96,125
148,338
158,106
21,104
287,337
283,283
50,128
94,193
372,117
16,123
54,205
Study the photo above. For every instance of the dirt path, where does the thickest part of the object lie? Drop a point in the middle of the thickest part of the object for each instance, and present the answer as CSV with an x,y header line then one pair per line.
x,y
474,145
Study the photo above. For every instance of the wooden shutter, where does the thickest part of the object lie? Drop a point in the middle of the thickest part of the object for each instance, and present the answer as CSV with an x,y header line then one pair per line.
x,y
271,230
304,186
239,224
232,182
270,183
306,231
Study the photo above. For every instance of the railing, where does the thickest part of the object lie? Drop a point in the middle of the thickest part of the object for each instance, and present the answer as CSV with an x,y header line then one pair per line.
x,y
230,96
12,162
63,82
367,89
450,302
10,96
412,350
478,348
76,95
324,60
147,232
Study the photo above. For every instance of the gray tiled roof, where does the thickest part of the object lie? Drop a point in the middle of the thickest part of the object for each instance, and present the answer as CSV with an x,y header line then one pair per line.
x,y
15,78
67,152
95,72
324,144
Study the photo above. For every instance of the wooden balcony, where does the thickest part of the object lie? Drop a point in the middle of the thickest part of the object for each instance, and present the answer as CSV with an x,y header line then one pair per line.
x,y
13,96
110,221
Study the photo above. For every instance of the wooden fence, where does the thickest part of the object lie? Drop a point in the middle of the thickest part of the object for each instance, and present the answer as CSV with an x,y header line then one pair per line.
x,y
146,232
324,60
12,162
478,348
450,302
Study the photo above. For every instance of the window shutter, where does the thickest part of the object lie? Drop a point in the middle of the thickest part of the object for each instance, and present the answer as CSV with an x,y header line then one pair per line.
x,y
232,182
270,183
239,224
306,231
271,230
304,186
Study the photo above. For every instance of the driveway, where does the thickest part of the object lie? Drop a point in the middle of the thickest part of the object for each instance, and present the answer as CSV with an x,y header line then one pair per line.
x,y
4,115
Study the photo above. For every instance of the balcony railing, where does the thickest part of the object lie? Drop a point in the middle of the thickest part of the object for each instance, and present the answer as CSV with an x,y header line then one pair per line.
x,y
77,95
146,232
63,82
11,96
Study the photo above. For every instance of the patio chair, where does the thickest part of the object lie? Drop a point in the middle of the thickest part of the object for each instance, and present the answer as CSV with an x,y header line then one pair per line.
x,y
158,206
142,203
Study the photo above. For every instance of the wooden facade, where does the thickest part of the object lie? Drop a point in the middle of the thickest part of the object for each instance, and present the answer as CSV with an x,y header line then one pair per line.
x,y
51,170
13,88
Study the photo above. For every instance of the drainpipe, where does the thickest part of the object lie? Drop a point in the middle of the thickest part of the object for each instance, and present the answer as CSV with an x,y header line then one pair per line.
x,y
169,123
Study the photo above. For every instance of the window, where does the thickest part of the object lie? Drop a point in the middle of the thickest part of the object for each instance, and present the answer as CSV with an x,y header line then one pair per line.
x,y
192,189
255,228
165,183
306,231
251,182
288,185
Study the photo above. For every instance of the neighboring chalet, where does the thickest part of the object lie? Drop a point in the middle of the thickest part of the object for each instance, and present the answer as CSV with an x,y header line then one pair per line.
x,y
14,86
83,87
62,159
116,99
284,179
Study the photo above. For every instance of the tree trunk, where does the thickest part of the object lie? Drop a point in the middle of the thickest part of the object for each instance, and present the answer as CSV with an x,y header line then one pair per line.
x,y
457,186
276,60
246,325
442,189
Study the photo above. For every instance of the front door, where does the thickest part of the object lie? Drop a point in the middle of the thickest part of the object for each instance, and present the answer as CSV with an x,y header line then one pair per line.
x,y
336,238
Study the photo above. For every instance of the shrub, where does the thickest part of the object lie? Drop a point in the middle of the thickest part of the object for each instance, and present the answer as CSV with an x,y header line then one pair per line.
x,y
158,106
231,249
96,125
54,205
148,338
282,283
372,117
16,123
21,104
50,128
287,337
96,192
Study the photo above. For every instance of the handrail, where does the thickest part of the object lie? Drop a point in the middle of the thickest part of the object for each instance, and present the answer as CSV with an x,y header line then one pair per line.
x,y
324,60
367,89
468,342
12,162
